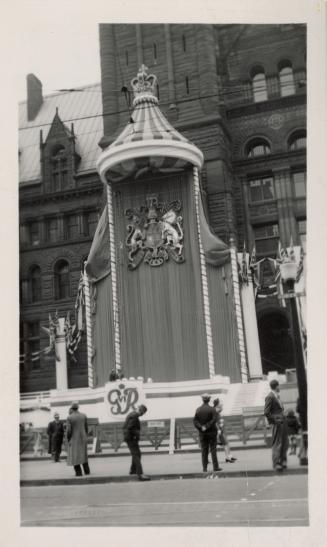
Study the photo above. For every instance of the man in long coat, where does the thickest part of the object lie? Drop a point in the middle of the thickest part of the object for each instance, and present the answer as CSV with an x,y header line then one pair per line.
x,y
131,429
205,422
274,412
77,441
55,432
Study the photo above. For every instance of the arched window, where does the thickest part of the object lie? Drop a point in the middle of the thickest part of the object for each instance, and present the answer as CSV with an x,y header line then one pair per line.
x,y
257,147
34,280
58,168
62,280
297,141
259,85
286,79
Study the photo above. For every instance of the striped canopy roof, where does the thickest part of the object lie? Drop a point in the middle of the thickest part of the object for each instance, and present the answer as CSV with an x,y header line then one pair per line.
x,y
149,143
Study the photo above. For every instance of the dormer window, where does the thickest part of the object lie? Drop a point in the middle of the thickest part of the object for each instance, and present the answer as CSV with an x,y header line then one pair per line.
x,y
59,169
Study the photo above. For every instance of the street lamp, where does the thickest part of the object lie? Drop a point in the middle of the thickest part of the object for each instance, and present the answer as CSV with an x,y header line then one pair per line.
x,y
288,270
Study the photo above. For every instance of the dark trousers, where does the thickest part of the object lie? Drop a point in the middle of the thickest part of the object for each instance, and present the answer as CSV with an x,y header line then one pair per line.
x,y
56,453
209,441
78,470
136,466
279,444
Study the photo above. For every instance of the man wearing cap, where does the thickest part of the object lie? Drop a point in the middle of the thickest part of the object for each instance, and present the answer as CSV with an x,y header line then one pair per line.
x,y
77,440
274,412
55,432
131,429
205,422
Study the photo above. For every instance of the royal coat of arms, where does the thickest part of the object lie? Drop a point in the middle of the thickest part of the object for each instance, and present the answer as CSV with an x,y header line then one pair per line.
x,y
154,233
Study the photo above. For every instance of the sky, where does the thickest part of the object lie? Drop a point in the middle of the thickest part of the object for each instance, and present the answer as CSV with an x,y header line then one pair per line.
x,y
60,55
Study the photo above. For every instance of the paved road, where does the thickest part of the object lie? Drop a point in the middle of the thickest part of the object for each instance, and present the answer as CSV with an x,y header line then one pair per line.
x,y
257,501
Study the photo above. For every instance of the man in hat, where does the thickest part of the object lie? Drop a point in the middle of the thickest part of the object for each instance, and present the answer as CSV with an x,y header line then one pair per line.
x,y
77,440
132,428
205,422
55,432
274,412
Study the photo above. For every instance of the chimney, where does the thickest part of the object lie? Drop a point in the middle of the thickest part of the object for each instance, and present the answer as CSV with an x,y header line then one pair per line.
x,y
34,96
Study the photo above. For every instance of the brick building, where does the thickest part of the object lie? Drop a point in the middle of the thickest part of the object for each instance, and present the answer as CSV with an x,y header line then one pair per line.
x,y
59,200
238,92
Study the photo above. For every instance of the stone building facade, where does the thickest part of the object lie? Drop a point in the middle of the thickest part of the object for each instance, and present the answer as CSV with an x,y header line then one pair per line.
x,y
59,205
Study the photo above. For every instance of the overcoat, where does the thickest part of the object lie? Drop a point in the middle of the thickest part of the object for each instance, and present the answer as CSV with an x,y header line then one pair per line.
x,y
77,438
55,432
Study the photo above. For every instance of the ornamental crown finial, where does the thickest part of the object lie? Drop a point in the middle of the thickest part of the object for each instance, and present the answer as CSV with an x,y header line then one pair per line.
x,y
144,83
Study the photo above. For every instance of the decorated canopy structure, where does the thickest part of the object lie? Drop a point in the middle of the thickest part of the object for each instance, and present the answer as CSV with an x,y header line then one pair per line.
x,y
162,284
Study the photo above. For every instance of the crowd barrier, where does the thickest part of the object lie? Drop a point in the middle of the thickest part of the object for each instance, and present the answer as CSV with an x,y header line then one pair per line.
x,y
168,434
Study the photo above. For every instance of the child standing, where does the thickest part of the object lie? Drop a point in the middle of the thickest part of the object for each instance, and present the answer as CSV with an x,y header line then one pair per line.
x,y
293,427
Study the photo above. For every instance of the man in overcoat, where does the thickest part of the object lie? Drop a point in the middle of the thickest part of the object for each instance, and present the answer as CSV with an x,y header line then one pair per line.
x,y
205,422
55,432
274,412
77,441
132,429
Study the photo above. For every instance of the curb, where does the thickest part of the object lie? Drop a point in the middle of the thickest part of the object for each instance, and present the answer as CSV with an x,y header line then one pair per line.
x,y
144,453
169,476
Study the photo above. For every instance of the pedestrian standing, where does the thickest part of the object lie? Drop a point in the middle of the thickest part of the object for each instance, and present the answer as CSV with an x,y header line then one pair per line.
x,y
274,412
55,433
132,429
77,441
205,422
222,438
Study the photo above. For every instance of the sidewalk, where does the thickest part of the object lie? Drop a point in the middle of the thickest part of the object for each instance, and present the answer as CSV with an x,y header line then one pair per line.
x,y
255,462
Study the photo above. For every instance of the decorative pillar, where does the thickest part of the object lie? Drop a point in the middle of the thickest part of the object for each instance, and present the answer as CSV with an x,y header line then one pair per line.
x,y
204,280
89,345
61,355
250,323
113,264
238,309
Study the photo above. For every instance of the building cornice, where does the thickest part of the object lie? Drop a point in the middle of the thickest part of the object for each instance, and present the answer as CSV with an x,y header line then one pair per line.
x,y
279,103
61,196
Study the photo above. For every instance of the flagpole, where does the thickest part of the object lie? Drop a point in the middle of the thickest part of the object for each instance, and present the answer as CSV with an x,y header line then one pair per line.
x,y
90,374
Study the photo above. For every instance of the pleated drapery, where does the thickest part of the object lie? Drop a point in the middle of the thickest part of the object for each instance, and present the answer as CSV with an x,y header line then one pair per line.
x,y
162,327
161,308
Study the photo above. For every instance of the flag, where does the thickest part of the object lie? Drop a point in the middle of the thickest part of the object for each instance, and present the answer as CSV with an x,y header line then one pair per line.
x,y
300,266
98,262
253,258
79,304
215,250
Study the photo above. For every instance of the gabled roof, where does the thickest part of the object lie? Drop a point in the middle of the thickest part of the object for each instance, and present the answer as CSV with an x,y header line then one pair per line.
x,y
82,107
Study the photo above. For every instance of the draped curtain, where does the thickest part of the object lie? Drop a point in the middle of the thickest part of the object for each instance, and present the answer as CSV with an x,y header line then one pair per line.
x,y
161,312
